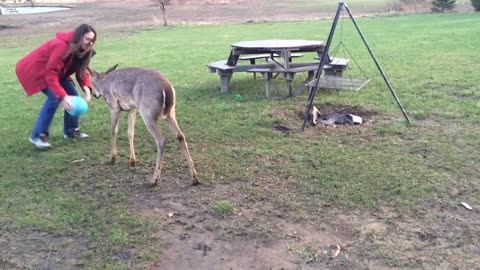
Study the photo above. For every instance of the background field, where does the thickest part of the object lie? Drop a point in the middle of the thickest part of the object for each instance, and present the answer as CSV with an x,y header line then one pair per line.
x,y
387,192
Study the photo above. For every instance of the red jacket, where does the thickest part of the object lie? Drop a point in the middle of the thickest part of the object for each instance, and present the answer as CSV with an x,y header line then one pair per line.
x,y
46,65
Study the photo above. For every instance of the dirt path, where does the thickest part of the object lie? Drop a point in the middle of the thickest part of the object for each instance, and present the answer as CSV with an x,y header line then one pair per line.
x,y
124,16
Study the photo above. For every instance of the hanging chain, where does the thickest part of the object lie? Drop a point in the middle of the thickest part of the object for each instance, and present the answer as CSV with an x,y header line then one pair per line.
x,y
344,48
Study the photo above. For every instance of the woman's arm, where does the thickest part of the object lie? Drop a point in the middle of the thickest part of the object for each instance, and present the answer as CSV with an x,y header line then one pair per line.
x,y
87,92
54,68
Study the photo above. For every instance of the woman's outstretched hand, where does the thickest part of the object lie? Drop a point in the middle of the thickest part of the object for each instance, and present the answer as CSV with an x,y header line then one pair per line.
x,y
87,95
67,103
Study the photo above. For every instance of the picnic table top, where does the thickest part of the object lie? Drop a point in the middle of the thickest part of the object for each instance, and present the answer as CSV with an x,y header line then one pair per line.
x,y
277,44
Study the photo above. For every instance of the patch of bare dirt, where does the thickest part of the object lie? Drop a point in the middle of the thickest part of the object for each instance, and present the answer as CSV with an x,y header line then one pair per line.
x,y
39,250
289,121
258,235
265,232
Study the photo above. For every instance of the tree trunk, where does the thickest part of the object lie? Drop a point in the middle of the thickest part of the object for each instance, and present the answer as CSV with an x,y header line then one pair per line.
x,y
164,14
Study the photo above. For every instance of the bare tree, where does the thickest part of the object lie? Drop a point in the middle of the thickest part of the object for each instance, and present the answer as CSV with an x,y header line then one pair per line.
x,y
163,6
257,7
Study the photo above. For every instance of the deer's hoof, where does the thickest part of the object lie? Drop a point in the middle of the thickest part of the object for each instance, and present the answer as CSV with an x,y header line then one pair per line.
x,y
153,184
132,163
113,160
195,181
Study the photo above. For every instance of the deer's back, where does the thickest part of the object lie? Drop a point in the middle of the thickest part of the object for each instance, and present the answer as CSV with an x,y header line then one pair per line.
x,y
142,88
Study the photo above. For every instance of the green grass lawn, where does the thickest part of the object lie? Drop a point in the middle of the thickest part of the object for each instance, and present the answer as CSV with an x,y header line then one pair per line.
x,y
432,62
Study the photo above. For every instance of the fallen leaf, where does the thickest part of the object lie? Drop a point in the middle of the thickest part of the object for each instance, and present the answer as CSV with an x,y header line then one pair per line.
x,y
466,205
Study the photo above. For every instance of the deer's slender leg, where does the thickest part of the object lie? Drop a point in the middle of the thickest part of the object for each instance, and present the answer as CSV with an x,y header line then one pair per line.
x,y
113,138
152,126
132,115
172,123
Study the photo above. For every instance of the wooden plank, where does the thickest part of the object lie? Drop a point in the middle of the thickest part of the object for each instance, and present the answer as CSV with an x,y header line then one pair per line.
x,y
336,63
254,56
339,62
296,65
302,69
294,69
266,55
222,66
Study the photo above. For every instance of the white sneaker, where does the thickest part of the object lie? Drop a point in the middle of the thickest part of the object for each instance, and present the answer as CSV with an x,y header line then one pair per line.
x,y
76,134
40,142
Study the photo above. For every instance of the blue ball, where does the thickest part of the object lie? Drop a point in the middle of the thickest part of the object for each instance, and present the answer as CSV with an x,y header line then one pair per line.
x,y
80,106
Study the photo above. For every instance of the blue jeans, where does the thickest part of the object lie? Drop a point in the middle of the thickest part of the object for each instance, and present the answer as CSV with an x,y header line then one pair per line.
x,y
70,123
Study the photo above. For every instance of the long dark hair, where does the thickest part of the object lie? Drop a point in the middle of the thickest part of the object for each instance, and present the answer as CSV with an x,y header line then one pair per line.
x,y
81,57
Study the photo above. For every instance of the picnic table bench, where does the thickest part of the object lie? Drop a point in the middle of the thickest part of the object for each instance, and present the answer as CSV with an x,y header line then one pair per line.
x,y
253,57
336,66
288,73
225,71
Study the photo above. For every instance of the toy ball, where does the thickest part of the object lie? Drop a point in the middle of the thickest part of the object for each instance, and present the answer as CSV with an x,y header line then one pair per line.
x,y
79,105
238,97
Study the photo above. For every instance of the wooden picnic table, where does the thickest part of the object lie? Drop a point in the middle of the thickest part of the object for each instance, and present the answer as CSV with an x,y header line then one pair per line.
x,y
278,47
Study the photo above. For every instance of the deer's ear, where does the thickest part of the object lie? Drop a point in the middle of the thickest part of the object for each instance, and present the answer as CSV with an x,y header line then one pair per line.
x,y
92,72
111,69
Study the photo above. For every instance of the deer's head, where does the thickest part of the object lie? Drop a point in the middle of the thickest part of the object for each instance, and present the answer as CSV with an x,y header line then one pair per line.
x,y
96,78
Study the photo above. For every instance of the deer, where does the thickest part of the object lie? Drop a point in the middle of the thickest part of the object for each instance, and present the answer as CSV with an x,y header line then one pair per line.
x,y
153,96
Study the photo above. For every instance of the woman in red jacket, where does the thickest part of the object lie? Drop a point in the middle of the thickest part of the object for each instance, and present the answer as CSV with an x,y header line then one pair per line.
x,y
48,68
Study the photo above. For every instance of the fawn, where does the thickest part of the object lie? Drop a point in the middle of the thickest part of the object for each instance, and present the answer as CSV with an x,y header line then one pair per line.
x,y
148,92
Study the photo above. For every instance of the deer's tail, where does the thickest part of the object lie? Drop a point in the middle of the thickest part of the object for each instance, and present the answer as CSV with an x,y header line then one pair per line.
x,y
168,100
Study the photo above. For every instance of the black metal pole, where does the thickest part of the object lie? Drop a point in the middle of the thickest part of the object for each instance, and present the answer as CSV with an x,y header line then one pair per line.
x,y
377,64
311,96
